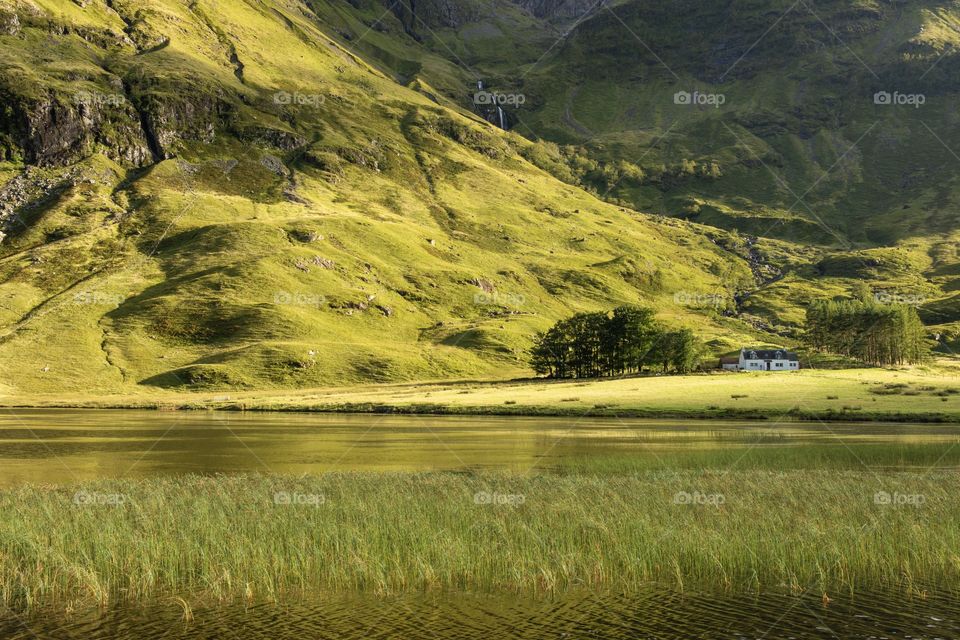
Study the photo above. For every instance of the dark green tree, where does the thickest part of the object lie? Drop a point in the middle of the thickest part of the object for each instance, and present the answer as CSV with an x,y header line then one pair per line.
x,y
610,344
877,334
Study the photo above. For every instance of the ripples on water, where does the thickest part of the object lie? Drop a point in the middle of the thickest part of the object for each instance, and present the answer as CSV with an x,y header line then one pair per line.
x,y
654,616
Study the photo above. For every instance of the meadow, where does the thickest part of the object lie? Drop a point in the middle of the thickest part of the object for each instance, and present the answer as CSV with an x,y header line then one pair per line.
x,y
274,537
857,394
928,393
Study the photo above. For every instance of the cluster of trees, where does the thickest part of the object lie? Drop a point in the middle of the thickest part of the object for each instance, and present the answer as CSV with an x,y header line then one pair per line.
x,y
664,175
623,341
877,334
574,165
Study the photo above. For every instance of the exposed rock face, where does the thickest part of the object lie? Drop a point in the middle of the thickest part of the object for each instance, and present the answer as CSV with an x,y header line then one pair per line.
x,y
55,129
135,121
417,16
561,9
26,189
269,137
9,22
169,119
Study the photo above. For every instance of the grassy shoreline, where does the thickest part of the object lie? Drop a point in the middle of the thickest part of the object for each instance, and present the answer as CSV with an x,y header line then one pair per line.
x,y
856,395
527,411
264,537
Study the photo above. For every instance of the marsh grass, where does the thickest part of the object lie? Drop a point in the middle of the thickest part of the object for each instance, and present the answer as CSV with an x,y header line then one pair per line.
x,y
261,537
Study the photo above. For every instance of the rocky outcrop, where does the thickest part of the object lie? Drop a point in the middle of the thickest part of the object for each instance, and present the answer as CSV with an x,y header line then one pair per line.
x,y
418,16
136,120
270,137
9,22
137,30
559,9
131,126
53,129
188,113
176,115
27,190
135,123
47,126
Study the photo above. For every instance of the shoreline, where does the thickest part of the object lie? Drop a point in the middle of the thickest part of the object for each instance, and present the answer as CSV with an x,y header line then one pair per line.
x,y
503,412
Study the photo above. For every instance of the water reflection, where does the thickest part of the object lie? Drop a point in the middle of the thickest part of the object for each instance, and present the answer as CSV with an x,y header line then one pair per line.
x,y
68,446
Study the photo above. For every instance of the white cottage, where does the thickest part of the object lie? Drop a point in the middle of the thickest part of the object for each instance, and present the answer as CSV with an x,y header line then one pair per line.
x,y
762,360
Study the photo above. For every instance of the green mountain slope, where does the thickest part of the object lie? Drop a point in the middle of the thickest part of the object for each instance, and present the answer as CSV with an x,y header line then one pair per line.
x,y
227,193
768,118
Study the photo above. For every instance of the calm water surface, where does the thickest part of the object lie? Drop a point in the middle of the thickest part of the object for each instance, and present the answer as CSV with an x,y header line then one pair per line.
x,y
68,446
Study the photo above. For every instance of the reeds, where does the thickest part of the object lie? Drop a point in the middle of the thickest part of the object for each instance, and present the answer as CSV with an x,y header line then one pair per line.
x,y
261,537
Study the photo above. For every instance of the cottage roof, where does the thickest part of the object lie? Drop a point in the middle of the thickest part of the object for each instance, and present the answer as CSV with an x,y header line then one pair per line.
x,y
769,354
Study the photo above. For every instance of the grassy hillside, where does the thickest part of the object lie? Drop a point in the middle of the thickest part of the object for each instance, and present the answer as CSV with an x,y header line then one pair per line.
x,y
283,194
221,194
781,137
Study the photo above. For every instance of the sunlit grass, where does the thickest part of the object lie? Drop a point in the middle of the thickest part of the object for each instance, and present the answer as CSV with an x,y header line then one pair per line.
x,y
910,394
263,537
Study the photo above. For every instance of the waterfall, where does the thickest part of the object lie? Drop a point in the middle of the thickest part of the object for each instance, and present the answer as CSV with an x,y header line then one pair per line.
x,y
501,116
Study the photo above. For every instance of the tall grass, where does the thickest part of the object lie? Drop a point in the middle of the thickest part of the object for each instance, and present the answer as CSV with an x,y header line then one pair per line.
x,y
263,537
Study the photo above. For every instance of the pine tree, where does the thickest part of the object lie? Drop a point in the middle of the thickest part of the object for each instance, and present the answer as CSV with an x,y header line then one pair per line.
x,y
873,333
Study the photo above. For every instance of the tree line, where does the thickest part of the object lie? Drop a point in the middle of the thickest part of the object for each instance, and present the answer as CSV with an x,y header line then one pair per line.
x,y
877,334
625,340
